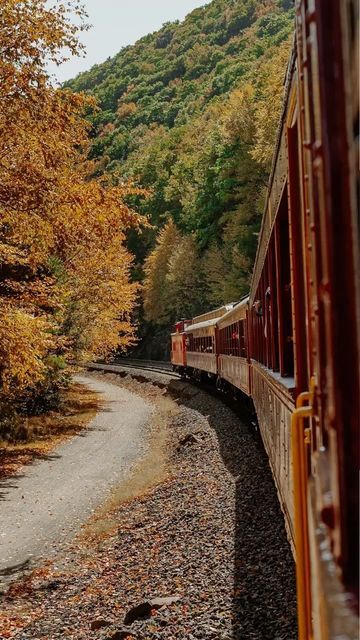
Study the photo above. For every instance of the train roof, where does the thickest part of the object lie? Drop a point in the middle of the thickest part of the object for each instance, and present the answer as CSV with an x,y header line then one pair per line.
x,y
198,326
215,313
235,314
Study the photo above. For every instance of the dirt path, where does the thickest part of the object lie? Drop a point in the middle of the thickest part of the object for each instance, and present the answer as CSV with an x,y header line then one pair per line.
x,y
52,499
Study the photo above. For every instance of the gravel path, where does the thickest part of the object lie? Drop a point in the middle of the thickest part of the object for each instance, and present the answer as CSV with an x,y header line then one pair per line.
x,y
49,503
209,536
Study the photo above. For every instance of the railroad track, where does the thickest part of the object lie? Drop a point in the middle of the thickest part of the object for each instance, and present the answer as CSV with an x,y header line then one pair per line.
x,y
144,365
241,407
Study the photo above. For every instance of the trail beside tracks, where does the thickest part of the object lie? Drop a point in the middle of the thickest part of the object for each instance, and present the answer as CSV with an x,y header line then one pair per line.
x,y
52,499
192,545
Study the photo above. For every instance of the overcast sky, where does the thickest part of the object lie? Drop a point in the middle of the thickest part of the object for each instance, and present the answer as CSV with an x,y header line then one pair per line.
x,y
117,23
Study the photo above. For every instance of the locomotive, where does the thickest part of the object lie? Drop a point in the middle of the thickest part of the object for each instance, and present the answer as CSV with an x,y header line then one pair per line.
x,y
292,345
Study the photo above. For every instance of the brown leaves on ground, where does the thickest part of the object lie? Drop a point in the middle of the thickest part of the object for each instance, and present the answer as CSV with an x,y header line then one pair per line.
x,y
202,535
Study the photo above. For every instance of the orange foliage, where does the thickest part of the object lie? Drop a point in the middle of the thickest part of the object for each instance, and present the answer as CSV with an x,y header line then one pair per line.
x,y
65,287
126,109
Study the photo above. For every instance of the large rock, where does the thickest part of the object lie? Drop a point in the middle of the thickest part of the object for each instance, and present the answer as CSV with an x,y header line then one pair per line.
x,y
144,609
190,439
141,611
158,603
100,623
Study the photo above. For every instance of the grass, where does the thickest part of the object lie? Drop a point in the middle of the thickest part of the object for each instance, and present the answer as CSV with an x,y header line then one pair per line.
x,y
44,433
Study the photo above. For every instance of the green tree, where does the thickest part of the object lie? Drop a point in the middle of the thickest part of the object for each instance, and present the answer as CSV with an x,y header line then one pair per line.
x,y
191,112
156,293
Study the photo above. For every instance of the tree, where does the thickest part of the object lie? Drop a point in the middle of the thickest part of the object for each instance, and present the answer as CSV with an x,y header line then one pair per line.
x,y
185,280
268,103
174,285
157,306
208,95
64,289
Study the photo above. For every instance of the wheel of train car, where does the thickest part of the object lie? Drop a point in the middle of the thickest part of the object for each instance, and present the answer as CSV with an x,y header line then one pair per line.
x,y
219,384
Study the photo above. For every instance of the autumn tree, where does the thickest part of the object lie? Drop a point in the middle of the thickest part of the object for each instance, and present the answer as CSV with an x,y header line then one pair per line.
x,y
157,306
191,113
64,290
185,280
174,285
267,103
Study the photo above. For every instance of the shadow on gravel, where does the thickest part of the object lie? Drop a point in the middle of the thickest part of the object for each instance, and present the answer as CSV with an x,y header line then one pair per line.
x,y
264,589
130,372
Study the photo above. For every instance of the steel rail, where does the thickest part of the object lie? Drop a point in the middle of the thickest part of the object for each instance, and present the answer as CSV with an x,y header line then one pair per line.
x,y
144,365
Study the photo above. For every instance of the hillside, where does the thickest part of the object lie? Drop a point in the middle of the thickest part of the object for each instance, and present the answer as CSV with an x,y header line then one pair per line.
x,y
190,112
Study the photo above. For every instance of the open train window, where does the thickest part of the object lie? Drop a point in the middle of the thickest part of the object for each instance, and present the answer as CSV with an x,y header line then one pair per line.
x,y
201,344
272,307
242,333
298,265
284,294
233,340
265,329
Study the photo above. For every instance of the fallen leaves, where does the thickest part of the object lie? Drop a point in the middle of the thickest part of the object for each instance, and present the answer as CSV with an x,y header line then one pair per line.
x,y
193,558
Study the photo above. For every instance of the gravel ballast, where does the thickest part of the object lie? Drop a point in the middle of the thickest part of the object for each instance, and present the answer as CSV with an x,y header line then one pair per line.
x,y
197,551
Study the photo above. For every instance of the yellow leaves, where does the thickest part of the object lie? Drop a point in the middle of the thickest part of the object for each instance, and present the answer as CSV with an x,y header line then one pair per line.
x,y
249,115
268,103
125,110
65,287
12,255
265,6
31,31
25,236
25,340
238,115
156,268
173,277
100,300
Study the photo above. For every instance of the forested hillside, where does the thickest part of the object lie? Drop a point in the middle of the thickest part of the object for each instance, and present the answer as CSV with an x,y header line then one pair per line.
x,y
190,112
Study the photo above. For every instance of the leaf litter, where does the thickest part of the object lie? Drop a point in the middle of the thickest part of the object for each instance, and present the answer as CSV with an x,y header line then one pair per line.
x,y
197,551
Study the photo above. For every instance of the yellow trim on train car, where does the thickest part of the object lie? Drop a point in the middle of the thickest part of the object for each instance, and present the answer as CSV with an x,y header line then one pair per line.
x,y
300,439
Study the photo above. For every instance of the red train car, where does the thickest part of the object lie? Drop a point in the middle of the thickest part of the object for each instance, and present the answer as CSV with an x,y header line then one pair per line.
x,y
233,349
304,317
178,346
294,344
199,339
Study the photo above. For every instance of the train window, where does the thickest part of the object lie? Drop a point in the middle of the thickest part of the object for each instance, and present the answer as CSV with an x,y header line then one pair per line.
x,y
259,327
297,226
233,340
271,313
243,350
201,344
271,302
284,293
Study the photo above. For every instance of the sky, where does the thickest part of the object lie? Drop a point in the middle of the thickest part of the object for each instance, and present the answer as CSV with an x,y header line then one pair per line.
x,y
118,23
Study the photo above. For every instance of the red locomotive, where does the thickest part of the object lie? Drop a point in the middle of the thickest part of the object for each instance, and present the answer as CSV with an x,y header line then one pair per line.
x,y
293,345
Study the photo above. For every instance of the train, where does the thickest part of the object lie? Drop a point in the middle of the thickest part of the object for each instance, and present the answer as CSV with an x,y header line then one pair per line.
x,y
292,344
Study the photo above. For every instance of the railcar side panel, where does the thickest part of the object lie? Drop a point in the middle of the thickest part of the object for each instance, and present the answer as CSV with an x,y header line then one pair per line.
x,y
202,361
178,353
274,406
236,371
298,336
